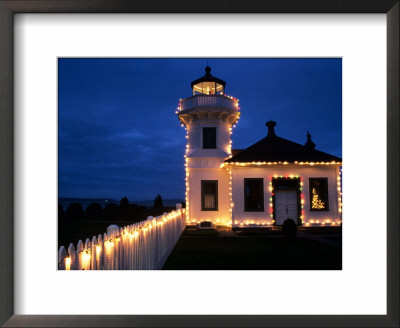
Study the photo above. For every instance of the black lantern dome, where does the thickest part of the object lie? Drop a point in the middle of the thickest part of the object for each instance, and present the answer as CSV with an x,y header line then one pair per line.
x,y
208,84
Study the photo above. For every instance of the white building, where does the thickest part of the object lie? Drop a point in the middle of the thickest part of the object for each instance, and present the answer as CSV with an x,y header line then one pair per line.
x,y
263,185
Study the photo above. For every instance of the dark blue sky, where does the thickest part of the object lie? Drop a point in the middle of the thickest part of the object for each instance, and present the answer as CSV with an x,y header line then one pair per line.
x,y
119,134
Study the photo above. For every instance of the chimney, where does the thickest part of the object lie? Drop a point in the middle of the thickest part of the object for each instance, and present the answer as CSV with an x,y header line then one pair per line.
x,y
309,144
271,126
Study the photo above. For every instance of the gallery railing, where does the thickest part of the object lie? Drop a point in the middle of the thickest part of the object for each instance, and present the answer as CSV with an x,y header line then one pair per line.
x,y
210,101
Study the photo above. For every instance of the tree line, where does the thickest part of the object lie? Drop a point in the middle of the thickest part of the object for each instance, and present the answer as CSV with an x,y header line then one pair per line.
x,y
124,211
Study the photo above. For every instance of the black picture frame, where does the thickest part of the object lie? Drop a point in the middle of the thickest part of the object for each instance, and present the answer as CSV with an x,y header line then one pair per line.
x,y
10,7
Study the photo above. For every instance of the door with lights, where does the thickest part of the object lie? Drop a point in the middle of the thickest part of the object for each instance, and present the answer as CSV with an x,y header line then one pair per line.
x,y
286,200
286,206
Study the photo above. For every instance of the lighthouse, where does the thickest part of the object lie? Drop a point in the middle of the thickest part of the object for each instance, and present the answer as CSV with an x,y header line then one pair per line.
x,y
208,117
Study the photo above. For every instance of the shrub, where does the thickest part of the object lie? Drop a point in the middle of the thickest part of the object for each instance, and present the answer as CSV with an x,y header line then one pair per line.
x,y
74,211
60,212
158,203
124,208
94,212
111,212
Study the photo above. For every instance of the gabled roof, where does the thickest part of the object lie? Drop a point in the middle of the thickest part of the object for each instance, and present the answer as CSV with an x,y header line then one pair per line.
x,y
276,149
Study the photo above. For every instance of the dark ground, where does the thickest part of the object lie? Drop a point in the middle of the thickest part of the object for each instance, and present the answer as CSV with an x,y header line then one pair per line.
x,y
215,250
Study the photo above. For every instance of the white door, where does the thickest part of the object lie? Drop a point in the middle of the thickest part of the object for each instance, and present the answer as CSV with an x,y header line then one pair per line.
x,y
285,206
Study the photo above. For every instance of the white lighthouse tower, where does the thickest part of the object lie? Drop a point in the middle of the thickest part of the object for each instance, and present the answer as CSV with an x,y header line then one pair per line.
x,y
208,116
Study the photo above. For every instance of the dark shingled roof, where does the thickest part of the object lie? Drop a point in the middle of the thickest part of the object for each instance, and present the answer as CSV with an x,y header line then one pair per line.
x,y
236,151
276,149
208,78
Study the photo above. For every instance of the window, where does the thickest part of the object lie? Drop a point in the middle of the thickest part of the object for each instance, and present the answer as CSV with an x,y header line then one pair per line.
x,y
209,138
209,195
319,194
253,195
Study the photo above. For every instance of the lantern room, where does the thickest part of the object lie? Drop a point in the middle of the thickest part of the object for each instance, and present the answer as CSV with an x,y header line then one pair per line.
x,y
208,84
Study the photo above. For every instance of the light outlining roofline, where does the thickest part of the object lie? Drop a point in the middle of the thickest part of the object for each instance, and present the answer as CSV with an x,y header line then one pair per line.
x,y
278,163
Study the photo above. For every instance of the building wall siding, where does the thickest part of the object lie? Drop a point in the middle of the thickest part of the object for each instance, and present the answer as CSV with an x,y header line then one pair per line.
x,y
196,215
195,139
267,173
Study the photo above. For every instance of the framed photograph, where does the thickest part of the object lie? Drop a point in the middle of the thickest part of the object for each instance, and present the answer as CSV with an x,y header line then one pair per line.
x,y
117,83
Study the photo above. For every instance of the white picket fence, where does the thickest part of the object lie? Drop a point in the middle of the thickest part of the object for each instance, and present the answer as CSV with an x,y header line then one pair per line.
x,y
140,246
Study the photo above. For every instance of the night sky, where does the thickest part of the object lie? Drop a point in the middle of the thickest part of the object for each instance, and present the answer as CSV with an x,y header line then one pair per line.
x,y
118,134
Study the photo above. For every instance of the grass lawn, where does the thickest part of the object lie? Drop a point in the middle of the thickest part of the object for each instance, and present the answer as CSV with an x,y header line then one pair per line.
x,y
338,239
202,251
322,230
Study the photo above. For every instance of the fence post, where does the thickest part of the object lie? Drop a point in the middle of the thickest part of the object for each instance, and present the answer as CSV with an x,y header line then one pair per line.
x,y
111,246
106,253
71,261
86,255
79,255
93,265
137,247
110,249
99,253
121,249
62,253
